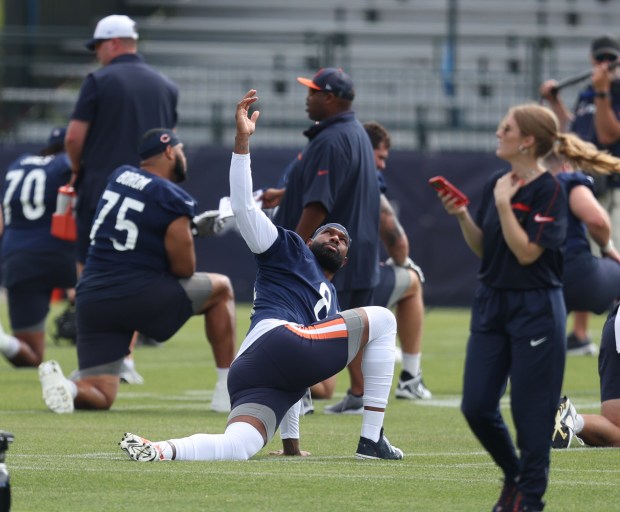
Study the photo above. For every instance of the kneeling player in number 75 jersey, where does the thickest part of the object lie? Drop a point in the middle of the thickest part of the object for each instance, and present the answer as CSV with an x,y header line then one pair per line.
x,y
297,336
140,275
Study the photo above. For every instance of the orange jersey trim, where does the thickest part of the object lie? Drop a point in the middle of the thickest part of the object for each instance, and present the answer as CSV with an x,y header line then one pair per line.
x,y
336,328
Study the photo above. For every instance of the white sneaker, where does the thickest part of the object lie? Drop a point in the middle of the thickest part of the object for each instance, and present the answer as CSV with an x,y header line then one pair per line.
x,y
56,389
129,374
139,449
564,427
221,399
412,388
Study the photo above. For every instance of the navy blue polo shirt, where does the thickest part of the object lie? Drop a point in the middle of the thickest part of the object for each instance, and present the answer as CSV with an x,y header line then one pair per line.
x,y
121,101
540,208
337,169
576,234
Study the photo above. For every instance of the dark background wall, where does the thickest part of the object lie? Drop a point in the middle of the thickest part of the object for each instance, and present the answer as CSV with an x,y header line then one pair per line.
x,y
435,239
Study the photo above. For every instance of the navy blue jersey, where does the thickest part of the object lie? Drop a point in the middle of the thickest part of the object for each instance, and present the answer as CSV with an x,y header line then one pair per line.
x,y
29,195
576,232
540,208
290,284
127,237
337,169
121,101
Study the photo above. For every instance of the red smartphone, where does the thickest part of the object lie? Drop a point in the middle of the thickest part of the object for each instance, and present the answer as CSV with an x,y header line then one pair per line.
x,y
440,183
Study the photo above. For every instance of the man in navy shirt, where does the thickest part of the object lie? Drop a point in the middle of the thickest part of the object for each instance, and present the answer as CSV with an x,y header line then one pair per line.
x,y
117,104
140,276
296,337
334,180
33,261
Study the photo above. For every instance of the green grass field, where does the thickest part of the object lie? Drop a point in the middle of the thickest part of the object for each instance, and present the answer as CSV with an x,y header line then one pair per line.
x,y
72,462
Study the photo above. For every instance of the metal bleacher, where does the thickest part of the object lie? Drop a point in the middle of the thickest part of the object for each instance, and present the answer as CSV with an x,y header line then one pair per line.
x,y
394,49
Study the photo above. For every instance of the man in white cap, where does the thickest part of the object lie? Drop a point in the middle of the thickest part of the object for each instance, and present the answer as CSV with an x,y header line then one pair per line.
x,y
117,104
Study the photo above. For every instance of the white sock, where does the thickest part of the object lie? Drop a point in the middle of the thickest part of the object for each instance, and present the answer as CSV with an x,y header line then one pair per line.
x,y
222,374
240,441
411,363
378,367
372,422
9,345
73,388
579,423
165,449
129,363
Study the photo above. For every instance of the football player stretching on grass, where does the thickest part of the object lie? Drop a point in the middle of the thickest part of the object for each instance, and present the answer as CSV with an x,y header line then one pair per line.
x,y
297,337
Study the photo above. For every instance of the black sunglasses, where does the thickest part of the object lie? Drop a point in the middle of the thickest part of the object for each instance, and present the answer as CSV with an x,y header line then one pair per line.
x,y
606,57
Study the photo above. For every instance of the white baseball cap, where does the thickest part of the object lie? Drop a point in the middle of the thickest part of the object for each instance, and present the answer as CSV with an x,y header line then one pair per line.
x,y
116,25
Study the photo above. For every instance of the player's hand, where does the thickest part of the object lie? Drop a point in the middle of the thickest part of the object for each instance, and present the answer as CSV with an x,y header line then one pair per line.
x,y
549,90
601,77
208,223
272,197
246,125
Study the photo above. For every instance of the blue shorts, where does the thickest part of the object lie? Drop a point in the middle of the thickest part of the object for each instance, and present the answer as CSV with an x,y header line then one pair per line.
x,y
30,279
276,370
105,327
590,283
609,361
393,283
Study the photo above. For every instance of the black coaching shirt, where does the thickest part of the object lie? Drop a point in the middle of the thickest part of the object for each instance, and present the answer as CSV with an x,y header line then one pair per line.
x,y
540,207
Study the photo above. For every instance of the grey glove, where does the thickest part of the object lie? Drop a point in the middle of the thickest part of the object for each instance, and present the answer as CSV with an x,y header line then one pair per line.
x,y
408,264
208,223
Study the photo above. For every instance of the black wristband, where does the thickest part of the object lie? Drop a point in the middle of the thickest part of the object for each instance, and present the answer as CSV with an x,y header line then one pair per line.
x,y
601,94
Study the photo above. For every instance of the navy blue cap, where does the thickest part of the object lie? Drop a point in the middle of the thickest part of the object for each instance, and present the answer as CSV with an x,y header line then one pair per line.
x,y
57,136
605,45
333,80
339,227
156,141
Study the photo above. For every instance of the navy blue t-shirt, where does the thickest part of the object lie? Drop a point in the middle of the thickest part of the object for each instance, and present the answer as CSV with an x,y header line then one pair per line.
x,y
540,208
128,235
29,193
337,169
290,284
121,101
576,233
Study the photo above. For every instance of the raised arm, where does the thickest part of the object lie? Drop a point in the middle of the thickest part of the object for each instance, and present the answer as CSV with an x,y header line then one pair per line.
x,y
255,227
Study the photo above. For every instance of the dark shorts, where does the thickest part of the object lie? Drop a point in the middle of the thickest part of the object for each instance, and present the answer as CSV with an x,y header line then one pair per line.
x,y
590,283
609,361
30,279
29,304
277,368
351,299
105,328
